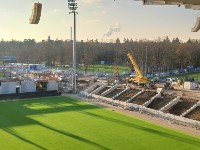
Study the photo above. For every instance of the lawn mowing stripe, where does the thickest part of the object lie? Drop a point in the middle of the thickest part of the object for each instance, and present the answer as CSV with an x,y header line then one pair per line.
x,y
65,123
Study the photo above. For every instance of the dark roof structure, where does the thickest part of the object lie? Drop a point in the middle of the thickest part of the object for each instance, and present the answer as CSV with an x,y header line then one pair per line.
x,y
9,58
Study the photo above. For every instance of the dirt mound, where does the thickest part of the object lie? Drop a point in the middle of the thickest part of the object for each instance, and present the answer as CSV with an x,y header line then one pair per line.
x,y
159,103
144,97
113,93
103,90
128,94
96,87
195,114
182,106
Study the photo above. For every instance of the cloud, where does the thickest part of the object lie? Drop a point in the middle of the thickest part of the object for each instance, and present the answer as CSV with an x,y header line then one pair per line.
x,y
92,21
90,2
55,11
103,12
112,29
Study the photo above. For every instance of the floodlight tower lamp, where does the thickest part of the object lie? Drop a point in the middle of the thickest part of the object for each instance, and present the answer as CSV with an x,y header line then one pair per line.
x,y
72,5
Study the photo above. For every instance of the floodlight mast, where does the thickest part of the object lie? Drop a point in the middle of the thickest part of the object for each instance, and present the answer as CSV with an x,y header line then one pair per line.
x,y
72,5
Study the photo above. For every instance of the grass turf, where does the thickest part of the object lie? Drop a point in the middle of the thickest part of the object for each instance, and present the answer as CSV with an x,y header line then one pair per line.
x,y
106,68
195,75
64,123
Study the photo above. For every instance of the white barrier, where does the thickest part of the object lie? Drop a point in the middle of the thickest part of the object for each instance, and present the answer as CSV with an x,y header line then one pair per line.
x,y
140,92
127,88
109,100
116,102
151,100
191,109
99,89
157,113
109,90
91,88
85,94
169,116
170,104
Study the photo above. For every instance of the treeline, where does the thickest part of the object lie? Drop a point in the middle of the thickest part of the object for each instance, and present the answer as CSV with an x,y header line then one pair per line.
x,y
162,54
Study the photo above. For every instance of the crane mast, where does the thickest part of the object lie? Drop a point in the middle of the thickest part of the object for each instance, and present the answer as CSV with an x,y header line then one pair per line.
x,y
137,70
139,78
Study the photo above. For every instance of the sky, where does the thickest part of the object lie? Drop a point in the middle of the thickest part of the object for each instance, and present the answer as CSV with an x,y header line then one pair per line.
x,y
104,20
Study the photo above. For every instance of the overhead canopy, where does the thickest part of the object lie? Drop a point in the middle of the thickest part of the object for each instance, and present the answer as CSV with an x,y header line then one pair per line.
x,y
189,4
9,58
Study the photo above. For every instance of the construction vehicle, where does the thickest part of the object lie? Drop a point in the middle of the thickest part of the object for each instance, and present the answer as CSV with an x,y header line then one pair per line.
x,y
168,85
151,85
180,82
139,79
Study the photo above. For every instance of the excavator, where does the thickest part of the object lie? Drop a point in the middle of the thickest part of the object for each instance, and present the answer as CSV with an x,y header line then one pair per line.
x,y
139,79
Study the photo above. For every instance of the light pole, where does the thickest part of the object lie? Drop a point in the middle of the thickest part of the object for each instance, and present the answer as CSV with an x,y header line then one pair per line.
x,y
72,5
146,62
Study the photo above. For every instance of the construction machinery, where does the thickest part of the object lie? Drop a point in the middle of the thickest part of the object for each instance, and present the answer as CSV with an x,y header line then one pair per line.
x,y
168,85
116,71
139,79
180,82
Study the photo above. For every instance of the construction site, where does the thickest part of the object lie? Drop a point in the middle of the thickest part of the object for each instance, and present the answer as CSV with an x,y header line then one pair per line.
x,y
166,104
134,85
176,102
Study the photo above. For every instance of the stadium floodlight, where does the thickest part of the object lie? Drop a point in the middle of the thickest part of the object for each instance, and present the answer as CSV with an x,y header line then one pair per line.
x,y
72,5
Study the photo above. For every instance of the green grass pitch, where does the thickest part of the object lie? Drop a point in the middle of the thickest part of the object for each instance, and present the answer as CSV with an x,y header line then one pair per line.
x,y
63,123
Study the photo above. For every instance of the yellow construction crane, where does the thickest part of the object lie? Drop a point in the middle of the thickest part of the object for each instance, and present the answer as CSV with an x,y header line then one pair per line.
x,y
140,79
116,71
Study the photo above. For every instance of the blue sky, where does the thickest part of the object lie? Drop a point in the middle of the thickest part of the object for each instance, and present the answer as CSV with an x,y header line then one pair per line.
x,y
97,19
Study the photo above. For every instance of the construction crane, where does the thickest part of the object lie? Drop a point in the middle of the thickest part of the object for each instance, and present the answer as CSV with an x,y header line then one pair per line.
x,y
116,72
140,79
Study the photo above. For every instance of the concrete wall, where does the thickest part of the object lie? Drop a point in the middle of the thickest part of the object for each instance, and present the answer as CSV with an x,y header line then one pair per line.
x,y
151,100
91,88
170,104
27,86
109,90
127,88
99,89
191,109
130,99
153,112
110,100
8,87
157,113
52,85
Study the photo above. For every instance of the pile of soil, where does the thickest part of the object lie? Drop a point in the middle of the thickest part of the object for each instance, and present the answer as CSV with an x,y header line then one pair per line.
x,y
103,90
96,87
182,106
113,93
194,114
144,97
128,94
159,103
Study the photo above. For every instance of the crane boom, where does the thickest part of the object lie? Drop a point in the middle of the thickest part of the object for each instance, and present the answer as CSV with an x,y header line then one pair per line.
x,y
139,78
137,70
